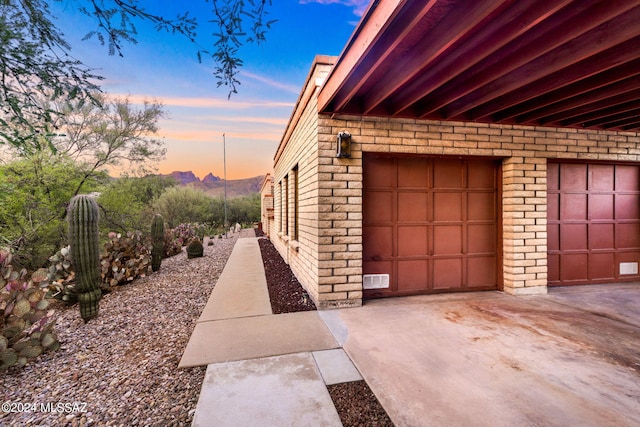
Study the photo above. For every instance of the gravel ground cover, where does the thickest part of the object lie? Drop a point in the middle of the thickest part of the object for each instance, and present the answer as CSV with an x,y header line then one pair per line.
x,y
285,292
358,406
121,369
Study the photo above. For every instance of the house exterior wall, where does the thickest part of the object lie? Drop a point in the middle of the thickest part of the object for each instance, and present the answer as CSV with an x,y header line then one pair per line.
x,y
297,196
524,150
329,257
266,205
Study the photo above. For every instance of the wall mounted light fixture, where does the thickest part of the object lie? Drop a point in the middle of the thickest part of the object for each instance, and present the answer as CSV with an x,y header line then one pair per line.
x,y
343,144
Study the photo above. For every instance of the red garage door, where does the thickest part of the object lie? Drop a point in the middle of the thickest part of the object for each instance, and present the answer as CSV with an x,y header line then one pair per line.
x,y
429,225
593,223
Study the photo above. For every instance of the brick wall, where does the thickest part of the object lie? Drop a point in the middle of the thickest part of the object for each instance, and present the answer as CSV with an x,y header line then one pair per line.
x,y
266,205
524,151
327,256
296,166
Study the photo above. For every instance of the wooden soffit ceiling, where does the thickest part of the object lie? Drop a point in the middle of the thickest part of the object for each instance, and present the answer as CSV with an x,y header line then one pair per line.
x,y
567,63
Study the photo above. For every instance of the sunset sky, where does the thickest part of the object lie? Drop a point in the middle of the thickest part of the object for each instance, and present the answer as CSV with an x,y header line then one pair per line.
x,y
165,67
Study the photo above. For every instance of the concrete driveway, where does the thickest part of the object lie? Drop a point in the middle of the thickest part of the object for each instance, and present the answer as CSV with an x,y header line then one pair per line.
x,y
568,358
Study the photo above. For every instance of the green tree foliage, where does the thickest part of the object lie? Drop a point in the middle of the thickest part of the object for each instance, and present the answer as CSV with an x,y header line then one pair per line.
x,y
35,58
35,186
34,193
35,61
113,133
183,205
126,203
244,210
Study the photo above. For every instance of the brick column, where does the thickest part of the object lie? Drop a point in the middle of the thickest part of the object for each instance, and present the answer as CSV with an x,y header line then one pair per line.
x,y
524,223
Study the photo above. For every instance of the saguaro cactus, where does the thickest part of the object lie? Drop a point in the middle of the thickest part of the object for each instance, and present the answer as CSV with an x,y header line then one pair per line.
x,y
85,253
157,236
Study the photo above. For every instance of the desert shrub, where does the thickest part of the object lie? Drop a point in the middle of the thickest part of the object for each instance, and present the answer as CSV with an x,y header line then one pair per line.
x,y
183,205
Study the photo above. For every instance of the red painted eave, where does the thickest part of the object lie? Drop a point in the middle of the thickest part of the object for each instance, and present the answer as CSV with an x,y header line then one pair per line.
x,y
567,63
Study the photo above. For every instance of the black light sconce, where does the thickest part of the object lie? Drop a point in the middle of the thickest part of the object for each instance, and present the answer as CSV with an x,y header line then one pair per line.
x,y
343,144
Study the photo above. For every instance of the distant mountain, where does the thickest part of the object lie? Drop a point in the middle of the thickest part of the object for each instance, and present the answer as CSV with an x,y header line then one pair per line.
x,y
214,185
184,177
211,178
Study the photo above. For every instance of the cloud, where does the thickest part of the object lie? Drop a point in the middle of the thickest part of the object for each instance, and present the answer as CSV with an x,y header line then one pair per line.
x,y
269,82
210,136
358,6
194,102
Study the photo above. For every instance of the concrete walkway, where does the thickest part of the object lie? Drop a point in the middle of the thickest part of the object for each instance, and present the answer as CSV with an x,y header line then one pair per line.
x,y
262,369
571,357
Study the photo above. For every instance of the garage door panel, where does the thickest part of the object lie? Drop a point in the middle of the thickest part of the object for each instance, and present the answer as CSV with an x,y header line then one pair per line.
x,y
413,173
627,206
481,238
574,267
412,275
627,178
627,236
481,206
412,206
601,178
378,242
447,206
573,207
553,207
601,236
573,177
553,176
378,207
602,266
447,239
483,175
481,271
630,257
553,237
573,237
601,206
447,174
381,267
553,268
447,273
381,172
415,241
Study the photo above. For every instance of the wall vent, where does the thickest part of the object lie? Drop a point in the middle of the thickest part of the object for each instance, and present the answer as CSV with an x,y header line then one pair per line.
x,y
628,268
375,281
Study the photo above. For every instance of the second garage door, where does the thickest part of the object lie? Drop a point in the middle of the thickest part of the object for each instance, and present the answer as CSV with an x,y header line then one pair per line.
x,y
593,223
429,225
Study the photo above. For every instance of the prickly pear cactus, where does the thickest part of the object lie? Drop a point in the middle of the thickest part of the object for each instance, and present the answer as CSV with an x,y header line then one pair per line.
x,y
195,249
26,320
157,237
85,252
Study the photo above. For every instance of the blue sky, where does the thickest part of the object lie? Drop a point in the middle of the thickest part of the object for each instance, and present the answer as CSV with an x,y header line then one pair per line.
x,y
165,67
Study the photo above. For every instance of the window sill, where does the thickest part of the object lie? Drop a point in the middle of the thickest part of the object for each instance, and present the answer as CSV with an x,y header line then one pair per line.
x,y
295,245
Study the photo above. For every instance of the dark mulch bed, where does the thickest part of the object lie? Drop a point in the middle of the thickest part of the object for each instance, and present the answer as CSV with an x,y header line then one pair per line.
x,y
286,293
357,405
355,402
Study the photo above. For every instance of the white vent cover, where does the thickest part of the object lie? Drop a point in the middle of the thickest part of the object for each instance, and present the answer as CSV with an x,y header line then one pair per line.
x,y
628,268
375,281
